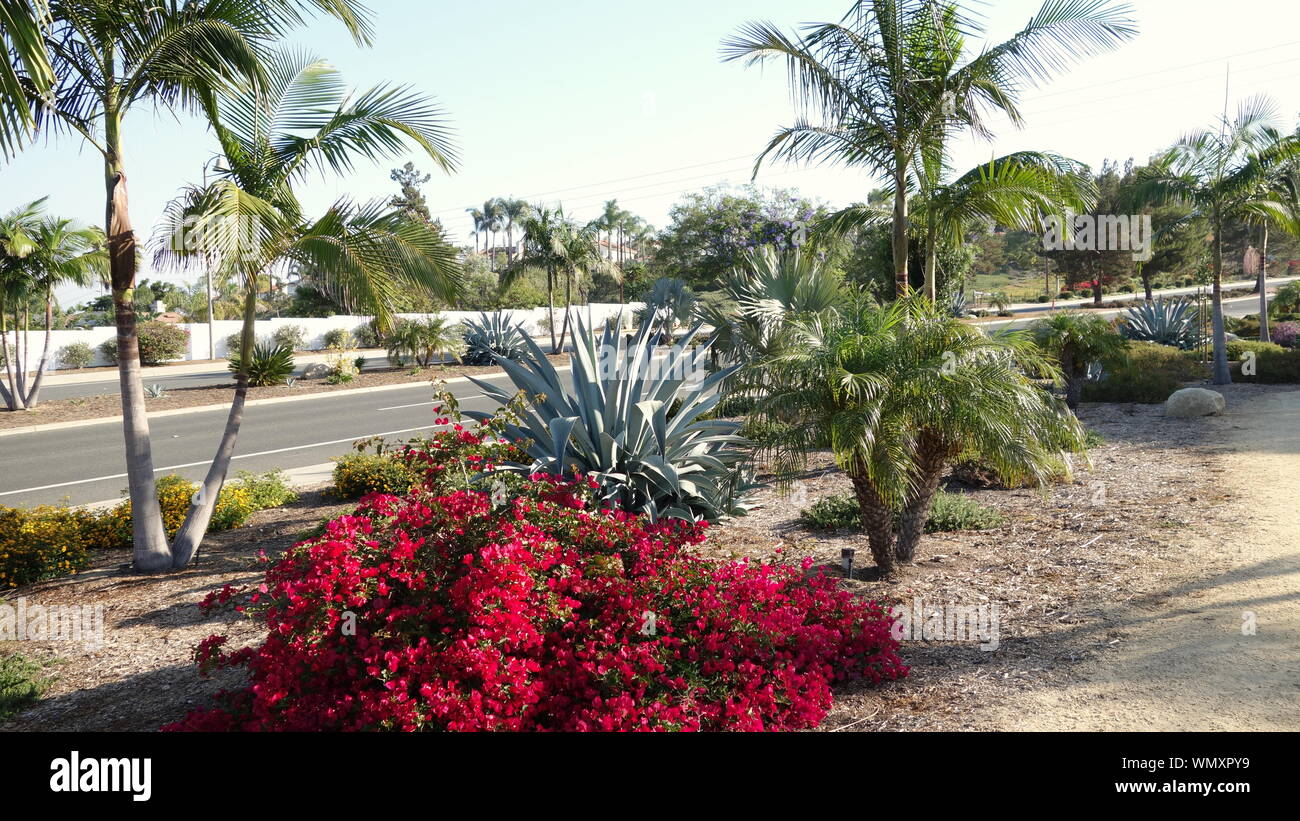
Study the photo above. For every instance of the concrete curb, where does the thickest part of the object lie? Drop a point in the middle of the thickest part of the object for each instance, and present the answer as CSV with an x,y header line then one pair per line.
x,y
277,400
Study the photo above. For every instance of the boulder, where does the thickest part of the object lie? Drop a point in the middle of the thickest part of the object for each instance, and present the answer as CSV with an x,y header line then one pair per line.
x,y
1192,402
1230,337
316,370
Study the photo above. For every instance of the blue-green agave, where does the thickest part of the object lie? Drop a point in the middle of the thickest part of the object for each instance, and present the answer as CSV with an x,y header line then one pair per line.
x,y
630,418
1166,321
493,335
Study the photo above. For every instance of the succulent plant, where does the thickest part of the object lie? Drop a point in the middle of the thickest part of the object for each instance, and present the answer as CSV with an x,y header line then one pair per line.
x,y
493,335
1165,321
630,420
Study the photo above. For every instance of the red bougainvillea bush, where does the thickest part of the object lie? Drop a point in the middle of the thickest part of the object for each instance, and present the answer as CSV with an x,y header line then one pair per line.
x,y
444,613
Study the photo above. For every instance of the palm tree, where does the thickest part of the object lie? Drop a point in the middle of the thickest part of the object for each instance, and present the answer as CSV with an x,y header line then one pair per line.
x,y
890,83
107,59
512,211
248,222
64,254
581,260
1077,340
1226,175
24,25
545,233
900,391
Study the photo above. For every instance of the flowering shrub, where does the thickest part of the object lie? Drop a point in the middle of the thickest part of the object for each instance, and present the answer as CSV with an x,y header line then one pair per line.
x,y
40,543
537,612
1284,333
46,542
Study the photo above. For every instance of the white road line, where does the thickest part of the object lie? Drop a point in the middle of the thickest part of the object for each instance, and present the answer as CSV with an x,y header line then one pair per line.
x,y
430,402
209,461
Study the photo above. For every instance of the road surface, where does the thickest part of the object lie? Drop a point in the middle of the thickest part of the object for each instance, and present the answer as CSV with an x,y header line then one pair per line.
x,y
87,464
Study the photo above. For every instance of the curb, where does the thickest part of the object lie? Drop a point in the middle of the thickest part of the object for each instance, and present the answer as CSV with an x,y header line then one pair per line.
x,y
276,400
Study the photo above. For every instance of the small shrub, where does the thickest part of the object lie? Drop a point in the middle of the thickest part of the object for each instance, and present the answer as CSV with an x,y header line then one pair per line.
x,y
1147,375
41,543
949,512
159,342
293,337
1284,333
1286,301
340,339
268,366
76,355
368,336
22,682
359,474
265,490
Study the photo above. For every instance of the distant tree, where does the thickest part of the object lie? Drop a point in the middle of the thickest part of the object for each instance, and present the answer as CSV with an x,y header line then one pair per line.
x,y
411,200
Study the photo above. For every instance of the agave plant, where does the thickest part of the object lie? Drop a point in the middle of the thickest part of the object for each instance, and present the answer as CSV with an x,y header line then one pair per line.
x,y
1166,321
493,335
631,421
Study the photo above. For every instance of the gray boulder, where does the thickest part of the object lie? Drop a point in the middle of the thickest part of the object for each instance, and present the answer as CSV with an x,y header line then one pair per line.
x,y
1189,403
316,370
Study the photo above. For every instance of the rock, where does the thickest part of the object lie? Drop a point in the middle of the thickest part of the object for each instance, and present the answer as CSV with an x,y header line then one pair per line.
x,y
317,370
1193,402
1230,337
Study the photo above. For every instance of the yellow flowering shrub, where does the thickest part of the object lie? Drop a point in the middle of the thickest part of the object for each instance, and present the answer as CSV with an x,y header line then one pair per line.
x,y
41,543
48,541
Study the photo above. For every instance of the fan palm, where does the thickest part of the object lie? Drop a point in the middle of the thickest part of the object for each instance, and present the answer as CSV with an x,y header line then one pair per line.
x,y
1077,341
105,60
248,221
891,82
900,391
1225,175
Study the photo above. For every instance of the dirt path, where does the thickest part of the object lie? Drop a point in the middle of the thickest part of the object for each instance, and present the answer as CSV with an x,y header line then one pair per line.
x,y
1185,662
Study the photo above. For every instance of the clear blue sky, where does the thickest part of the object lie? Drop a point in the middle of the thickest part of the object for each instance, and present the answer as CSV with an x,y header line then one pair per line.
x,y
578,101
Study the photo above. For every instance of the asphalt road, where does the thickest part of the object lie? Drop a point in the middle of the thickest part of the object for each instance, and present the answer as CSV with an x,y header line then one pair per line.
x,y
1240,306
86,464
214,378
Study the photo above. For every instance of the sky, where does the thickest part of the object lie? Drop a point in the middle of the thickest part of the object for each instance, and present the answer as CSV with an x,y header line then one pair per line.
x,y
581,101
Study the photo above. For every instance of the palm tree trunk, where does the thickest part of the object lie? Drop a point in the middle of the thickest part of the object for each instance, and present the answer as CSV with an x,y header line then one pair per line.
x,y
151,553
1263,289
568,309
22,352
932,264
877,521
550,305
34,397
1074,375
13,399
931,459
899,240
1221,374
190,536
1096,282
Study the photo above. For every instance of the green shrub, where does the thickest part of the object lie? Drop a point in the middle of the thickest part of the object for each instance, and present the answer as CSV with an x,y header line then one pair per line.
x,y
270,365
1274,365
22,682
1286,301
357,474
76,355
293,337
1148,374
265,490
367,335
159,342
340,339
949,512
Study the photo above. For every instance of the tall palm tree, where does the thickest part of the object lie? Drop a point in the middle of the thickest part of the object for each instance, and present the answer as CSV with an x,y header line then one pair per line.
x,y
1224,175
24,25
545,230
512,211
62,254
248,222
900,391
581,260
891,82
107,59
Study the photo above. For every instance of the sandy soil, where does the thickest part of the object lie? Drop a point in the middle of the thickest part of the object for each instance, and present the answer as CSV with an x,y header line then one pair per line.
x,y
1189,658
